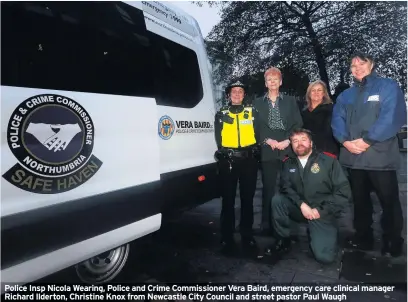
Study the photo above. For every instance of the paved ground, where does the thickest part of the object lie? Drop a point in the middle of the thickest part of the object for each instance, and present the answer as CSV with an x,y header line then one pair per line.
x,y
186,250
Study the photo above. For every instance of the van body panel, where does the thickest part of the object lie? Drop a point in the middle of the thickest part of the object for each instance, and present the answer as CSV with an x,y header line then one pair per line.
x,y
125,143
107,126
41,266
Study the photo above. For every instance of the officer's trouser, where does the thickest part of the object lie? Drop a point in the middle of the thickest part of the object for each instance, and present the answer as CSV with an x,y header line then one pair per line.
x,y
323,231
244,170
270,171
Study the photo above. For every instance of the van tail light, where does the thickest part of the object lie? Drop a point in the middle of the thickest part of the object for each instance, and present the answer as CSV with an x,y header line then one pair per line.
x,y
201,178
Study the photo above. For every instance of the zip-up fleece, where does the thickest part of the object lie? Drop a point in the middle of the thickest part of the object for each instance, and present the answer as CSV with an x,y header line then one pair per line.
x,y
321,184
374,110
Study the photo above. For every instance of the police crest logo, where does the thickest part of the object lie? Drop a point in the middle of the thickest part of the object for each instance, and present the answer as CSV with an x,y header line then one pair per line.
x,y
166,127
315,168
52,138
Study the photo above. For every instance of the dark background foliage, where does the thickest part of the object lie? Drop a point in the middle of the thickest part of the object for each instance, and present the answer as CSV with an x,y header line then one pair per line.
x,y
307,40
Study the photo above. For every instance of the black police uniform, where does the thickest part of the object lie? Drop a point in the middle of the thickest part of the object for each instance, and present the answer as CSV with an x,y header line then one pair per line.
x,y
237,161
321,184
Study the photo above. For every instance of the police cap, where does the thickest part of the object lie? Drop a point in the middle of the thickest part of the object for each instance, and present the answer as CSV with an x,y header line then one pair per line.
x,y
234,84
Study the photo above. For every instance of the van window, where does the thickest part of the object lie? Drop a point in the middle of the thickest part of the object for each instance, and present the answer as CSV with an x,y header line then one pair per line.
x,y
96,47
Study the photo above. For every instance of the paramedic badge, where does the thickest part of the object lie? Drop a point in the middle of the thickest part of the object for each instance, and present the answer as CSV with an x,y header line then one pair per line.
x,y
52,138
315,168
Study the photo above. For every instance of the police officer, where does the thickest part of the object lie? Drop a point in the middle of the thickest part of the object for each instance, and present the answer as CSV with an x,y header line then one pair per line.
x,y
313,189
237,154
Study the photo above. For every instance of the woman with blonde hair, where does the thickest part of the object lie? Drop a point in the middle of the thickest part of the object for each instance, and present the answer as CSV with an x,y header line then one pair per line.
x,y
317,117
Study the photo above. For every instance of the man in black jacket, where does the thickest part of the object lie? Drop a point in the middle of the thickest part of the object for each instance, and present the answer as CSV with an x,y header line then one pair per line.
x,y
313,189
278,116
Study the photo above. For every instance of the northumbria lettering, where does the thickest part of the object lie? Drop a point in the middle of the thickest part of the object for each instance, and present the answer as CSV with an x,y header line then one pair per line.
x,y
52,137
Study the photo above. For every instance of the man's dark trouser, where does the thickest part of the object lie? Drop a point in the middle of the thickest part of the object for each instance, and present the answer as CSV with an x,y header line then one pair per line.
x,y
323,231
244,170
270,171
385,184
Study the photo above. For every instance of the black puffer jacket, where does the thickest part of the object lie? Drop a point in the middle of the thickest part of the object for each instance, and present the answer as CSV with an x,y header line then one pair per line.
x,y
319,122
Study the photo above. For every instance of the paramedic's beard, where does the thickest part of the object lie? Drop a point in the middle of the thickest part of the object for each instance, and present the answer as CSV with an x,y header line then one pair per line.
x,y
302,150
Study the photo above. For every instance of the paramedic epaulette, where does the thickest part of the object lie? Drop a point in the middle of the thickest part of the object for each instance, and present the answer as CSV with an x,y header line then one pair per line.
x,y
285,159
330,154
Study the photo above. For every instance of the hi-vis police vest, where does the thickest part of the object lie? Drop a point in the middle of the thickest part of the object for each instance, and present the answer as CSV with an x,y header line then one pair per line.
x,y
241,132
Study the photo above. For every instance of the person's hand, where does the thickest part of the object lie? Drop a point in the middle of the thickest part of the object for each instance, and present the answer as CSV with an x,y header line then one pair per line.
x,y
360,143
316,213
283,144
218,155
353,147
273,143
307,212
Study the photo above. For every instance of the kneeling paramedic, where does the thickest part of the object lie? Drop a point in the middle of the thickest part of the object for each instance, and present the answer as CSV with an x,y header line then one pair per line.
x,y
313,189
237,155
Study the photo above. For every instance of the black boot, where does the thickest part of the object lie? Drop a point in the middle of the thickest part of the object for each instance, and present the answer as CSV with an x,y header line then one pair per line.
x,y
281,246
385,245
396,246
228,246
249,245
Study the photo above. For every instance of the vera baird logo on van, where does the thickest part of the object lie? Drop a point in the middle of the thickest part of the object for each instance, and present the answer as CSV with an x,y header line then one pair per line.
x,y
52,138
167,127
193,127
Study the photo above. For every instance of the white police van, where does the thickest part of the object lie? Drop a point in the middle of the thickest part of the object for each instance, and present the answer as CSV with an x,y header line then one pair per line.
x,y
107,124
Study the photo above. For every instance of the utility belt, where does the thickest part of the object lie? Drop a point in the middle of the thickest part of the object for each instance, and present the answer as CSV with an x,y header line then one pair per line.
x,y
231,153
243,153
